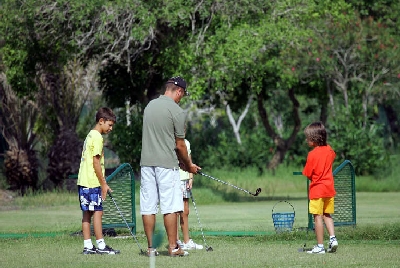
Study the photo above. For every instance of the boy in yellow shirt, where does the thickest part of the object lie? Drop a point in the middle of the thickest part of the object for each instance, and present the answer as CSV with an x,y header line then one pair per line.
x,y
92,185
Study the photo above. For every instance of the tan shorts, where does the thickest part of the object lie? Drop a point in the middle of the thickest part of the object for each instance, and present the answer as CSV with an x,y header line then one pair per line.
x,y
321,206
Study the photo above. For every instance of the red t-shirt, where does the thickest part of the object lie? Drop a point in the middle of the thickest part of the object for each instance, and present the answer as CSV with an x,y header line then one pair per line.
x,y
318,170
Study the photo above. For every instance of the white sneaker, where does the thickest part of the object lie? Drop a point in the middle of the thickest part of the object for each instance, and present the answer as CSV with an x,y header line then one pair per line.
x,y
333,245
192,245
180,244
317,250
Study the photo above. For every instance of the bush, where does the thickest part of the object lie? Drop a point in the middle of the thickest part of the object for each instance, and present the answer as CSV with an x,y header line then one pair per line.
x,y
126,140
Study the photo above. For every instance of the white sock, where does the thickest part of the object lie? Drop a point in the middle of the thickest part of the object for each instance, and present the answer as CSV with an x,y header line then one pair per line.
x,y
87,243
332,236
321,245
101,244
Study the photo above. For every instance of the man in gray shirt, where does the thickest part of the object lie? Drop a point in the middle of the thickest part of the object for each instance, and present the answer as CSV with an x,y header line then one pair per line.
x,y
163,150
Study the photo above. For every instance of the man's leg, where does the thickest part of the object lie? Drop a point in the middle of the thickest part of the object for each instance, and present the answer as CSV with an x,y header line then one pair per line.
x,y
170,224
149,222
179,222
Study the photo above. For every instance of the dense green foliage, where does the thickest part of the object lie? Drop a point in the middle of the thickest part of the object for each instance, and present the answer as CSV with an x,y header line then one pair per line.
x,y
258,73
127,140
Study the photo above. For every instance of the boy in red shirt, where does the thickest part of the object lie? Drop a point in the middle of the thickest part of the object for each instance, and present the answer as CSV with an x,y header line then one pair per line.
x,y
318,170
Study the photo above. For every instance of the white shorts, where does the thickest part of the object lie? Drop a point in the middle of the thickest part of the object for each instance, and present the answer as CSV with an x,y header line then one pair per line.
x,y
184,188
160,186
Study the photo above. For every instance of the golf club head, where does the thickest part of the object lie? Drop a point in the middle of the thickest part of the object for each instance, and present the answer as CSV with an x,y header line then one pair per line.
x,y
304,249
258,191
209,248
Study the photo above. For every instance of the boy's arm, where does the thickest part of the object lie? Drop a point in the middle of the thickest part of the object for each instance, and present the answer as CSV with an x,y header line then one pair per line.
x,y
183,156
190,176
99,173
308,168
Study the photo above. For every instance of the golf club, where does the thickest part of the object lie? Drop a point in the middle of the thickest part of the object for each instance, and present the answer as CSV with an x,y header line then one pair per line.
x,y
304,248
208,248
258,191
127,225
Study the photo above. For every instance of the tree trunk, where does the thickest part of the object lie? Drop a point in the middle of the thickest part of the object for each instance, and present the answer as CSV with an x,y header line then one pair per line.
x,y
64,157
282,145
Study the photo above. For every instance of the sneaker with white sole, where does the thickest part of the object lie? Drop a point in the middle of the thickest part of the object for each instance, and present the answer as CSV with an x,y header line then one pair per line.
x,y
178,252
180,244
87,251
333,245
192,245
317,250
152,252
108,250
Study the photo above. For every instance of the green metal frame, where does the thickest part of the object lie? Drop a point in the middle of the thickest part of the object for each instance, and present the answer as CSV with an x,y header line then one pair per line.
x,y
345,213
122,182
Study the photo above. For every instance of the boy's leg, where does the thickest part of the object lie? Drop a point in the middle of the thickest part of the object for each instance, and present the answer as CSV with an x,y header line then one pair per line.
x,y
185,220
319,229
98,225
328,209
329,224
188,244
87,213
316,208
86,219
88,247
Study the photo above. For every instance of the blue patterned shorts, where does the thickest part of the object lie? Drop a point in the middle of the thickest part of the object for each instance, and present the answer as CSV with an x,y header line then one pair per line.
x,y
90,198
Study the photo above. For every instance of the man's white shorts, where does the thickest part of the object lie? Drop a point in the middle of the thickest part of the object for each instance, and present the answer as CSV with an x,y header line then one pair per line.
x,y
160,185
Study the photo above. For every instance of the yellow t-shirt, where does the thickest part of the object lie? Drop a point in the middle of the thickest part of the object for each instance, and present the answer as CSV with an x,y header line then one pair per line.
x,y
184,175
92,146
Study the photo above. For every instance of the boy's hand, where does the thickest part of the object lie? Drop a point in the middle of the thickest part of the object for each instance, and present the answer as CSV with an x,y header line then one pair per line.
x,y
104,190
190,184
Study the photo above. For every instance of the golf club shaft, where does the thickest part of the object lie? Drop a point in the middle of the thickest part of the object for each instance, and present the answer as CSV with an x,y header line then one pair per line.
x,y
227,183
198,219
127,225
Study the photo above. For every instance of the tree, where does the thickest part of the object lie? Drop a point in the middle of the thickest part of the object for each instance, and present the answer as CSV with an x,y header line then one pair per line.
x,y
63,96
249,49
17,120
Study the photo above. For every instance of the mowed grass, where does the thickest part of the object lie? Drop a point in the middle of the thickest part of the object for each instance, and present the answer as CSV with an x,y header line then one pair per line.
x,y
63,251
374,243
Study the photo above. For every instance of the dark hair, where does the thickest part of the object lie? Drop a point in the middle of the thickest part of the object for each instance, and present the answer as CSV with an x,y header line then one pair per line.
x,y
105,113
316,132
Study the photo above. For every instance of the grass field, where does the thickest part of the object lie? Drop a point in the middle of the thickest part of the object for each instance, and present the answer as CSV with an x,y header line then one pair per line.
x,y
374,243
